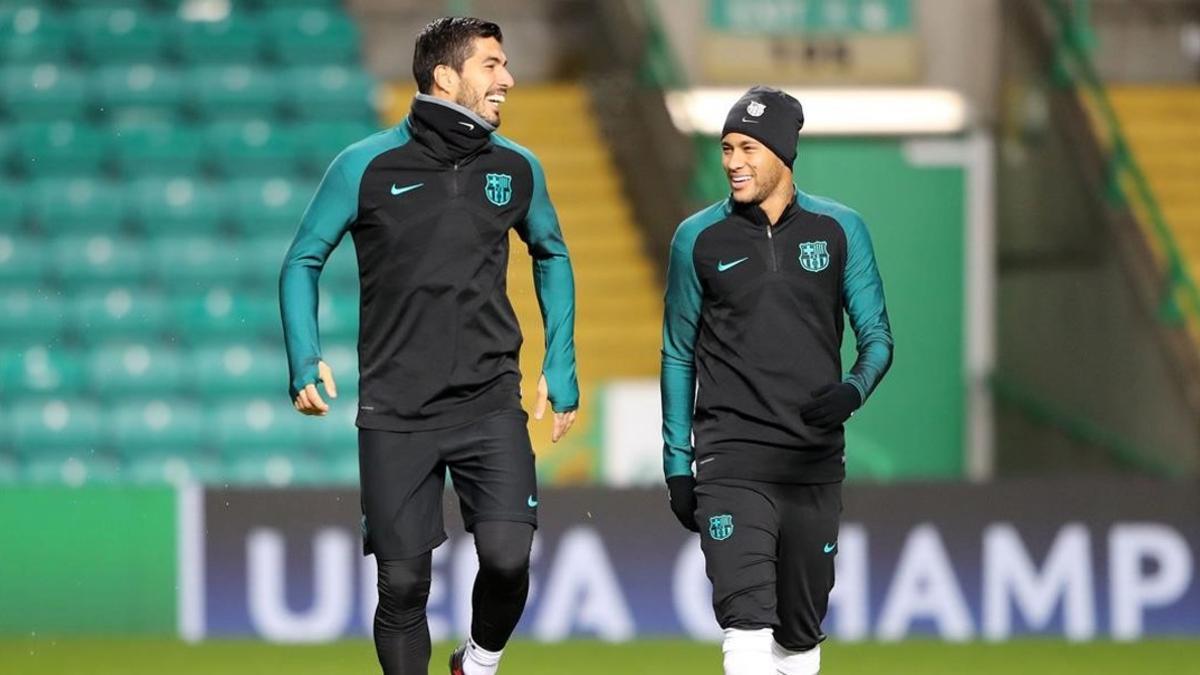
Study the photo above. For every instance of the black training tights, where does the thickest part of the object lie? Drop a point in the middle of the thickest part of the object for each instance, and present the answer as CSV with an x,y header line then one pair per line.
x,y
401,629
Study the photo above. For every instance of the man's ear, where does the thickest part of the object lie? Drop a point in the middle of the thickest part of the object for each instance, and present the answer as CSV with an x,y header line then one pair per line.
x,y
445,78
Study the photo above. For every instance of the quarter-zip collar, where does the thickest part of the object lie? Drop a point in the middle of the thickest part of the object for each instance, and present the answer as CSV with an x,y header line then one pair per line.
x,y
450,131
754,214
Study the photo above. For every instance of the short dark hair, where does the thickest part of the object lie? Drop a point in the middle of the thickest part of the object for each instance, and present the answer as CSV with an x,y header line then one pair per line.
x,y
448,42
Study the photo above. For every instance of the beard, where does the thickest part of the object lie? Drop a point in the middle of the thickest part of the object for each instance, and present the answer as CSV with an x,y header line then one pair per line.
x,y
767,180
476,102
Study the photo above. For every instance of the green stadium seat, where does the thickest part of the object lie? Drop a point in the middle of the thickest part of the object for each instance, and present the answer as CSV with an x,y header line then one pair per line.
x,y
12,207
341,272
253,147
320,142
77,206
163,440
184,264
263,441
269,206
74,468
82,261
41,92
332,92
237,39
61,148
135,368
120,34
24,262
222,313
337,316
8,152
172,469
119,313
55,426
32,316
238,369
77,5
139,93
71,467
295,4
155,149
158,426
260,425
30,35
234,92
264,258
182,206
311,36
39,370
276,471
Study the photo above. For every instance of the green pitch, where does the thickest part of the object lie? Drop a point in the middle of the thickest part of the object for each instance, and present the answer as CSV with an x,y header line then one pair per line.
x,y
71,656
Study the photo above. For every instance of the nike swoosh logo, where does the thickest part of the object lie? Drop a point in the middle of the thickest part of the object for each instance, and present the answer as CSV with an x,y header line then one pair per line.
x,y
721,266
407,188
531,501
468,125
749,121
829,547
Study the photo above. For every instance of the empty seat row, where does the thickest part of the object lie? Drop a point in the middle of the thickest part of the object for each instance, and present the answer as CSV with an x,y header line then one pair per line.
x,y
236,426
233,150
175,206
286,35
135,313
71,264
279,469
141,93
115,372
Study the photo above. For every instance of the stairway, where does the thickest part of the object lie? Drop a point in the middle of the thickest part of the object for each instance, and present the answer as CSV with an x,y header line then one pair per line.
x,y
1160,124
618,296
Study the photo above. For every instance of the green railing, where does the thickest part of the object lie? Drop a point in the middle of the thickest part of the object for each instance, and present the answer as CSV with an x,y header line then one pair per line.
x,y
659,66
1121,451
1127,185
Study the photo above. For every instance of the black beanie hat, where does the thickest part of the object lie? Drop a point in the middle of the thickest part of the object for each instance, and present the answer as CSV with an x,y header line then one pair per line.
x,y
771,117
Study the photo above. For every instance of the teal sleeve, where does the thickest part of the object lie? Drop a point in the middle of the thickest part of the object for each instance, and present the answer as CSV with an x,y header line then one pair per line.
x,y
681,320
862,293
333,208
554,283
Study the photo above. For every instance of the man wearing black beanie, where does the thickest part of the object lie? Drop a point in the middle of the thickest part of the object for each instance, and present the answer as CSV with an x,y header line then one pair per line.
x,y
757,289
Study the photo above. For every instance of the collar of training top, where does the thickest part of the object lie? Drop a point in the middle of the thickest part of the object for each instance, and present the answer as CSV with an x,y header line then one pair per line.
x,y
758,217
448,128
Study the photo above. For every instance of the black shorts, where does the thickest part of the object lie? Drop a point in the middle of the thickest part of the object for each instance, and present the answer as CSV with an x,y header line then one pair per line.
x,y
402,475
769,550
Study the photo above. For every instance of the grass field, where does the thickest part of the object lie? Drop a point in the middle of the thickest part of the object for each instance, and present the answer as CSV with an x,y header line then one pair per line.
x,y
647,657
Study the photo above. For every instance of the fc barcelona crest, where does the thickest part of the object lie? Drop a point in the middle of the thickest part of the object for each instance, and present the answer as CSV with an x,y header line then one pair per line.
x,y
498,188
720,527
756,109
814,255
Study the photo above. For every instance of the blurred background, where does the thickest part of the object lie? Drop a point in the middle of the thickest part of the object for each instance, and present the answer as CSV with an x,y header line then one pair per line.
x,y
1029,171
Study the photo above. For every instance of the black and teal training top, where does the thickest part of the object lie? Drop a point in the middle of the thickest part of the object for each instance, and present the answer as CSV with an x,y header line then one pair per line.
x,y
754,317
429,204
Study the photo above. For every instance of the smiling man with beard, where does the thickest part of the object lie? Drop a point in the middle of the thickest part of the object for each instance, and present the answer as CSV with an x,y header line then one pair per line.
x,y
429,204
751,369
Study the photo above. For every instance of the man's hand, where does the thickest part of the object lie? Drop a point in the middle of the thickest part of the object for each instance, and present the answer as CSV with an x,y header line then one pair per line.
x,y
562,421
682,492
831,405
309,401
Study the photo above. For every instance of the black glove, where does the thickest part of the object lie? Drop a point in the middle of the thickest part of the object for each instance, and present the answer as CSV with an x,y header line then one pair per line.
x,y
682,490
831,405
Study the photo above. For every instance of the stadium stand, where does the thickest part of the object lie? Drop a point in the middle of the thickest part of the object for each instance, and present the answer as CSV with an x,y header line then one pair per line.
x,y
155,157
